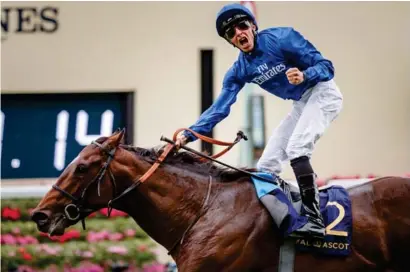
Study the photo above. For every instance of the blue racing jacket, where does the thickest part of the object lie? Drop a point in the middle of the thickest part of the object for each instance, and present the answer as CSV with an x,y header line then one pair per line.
x,y
276,50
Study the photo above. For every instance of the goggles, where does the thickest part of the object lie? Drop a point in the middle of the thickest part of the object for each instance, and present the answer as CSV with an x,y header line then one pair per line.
x,y
231,30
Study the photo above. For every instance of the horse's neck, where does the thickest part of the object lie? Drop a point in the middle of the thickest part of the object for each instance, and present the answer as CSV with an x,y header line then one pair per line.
x,y
167,203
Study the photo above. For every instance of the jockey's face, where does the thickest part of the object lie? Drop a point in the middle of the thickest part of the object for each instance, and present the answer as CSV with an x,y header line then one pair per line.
x,y
241,35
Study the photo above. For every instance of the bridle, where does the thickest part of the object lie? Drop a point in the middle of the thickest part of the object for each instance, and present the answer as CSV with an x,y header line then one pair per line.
x,y
74,210
77,208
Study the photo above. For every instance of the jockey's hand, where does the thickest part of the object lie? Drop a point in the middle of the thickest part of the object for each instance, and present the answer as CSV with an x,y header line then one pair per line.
x,y
295,76
181,141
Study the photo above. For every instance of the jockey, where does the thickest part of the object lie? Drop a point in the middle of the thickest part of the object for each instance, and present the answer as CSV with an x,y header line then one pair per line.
x,y
281,61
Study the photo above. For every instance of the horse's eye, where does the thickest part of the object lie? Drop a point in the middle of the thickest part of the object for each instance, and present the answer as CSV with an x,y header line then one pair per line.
x,y
81,168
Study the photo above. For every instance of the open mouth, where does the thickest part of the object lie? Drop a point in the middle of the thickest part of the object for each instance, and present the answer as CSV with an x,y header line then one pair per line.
x,y
57,227
243,41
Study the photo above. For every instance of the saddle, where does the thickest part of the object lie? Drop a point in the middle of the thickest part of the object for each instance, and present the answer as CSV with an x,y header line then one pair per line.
x,y
335,207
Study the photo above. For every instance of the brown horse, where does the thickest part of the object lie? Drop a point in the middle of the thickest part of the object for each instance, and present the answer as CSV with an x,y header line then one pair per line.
x,y
217,213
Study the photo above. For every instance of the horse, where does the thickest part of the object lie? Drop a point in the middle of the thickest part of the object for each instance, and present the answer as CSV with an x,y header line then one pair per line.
x,y
210,218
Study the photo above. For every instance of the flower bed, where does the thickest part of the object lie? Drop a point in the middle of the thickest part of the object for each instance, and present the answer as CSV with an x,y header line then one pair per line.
x,y
97,230
42,256
105,244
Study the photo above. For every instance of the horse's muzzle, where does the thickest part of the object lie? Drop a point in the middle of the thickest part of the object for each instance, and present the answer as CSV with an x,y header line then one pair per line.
x,y
42,219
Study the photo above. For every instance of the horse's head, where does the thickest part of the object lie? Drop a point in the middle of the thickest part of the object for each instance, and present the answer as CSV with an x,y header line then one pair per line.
x,y
86,185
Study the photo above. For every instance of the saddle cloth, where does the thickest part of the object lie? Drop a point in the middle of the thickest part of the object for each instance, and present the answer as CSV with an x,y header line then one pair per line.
x,y
335,207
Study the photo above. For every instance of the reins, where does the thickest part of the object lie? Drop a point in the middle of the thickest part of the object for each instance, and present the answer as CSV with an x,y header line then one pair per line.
x,y
240,136
143,178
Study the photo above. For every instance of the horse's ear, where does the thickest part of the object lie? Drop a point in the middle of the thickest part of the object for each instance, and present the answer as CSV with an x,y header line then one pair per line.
x,y
117,138
122,140
116,131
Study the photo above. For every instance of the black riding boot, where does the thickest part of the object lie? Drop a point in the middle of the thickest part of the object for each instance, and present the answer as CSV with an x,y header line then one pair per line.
x,y
311,207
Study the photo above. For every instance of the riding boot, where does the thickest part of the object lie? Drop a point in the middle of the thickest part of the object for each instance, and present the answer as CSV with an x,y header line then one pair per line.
x,y
311,207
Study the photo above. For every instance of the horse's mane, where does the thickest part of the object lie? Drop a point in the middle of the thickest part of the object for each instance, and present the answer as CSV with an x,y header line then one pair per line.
x,y
188,161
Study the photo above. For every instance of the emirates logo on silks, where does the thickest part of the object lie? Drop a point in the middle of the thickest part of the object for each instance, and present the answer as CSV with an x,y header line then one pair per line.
x,y
266,72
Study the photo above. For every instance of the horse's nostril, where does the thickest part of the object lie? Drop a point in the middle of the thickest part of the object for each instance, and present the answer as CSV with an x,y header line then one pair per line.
x,y
40,217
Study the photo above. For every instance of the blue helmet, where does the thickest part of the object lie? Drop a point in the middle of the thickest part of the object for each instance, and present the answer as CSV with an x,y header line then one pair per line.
x,y
231,13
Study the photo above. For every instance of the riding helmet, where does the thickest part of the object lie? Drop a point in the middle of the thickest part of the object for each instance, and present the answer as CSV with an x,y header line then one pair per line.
x,y
230,14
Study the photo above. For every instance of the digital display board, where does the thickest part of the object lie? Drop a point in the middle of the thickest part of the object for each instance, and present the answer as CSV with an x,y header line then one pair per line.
x,y
42,133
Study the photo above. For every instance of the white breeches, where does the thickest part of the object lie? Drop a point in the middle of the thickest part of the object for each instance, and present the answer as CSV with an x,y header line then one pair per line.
x,y
298,132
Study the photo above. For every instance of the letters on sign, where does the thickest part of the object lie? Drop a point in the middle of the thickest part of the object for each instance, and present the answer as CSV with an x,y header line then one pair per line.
x,y
28,20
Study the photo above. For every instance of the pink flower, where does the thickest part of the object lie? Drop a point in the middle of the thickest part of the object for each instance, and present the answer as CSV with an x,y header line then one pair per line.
x,y
115,236
21,240
8,239
154,268
25,240
130,232
31,239
25,268
86,266
50,250
114,212
87,254
91,237
121,250
97,236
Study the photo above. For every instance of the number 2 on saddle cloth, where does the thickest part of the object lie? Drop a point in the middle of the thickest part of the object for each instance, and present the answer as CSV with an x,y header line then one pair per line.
x,y
335,207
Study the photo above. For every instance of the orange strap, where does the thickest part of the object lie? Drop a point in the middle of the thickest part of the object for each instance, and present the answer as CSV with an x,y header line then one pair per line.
x,y
211,140
154,167
169,147
143,178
